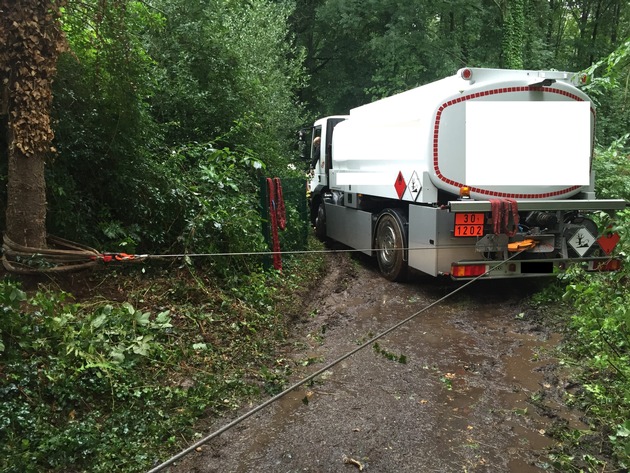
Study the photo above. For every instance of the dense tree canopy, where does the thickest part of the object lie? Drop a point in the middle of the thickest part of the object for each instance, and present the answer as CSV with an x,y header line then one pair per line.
x,y
357,51
147,96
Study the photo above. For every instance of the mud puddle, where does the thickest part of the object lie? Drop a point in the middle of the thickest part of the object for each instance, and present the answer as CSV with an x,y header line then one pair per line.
x,y
459,388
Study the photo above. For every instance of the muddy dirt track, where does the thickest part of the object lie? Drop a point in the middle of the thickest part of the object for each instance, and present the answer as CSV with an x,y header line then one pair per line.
x,y
464,387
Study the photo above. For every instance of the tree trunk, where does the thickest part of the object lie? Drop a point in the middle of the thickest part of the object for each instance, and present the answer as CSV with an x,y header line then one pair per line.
x,y
26,200
32,40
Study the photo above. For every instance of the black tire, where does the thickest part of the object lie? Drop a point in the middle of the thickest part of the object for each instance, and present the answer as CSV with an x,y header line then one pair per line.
x,y
320,223
389,241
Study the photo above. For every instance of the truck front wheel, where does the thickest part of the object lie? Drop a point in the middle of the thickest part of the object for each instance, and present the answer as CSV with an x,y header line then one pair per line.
x,y
320,223
390,244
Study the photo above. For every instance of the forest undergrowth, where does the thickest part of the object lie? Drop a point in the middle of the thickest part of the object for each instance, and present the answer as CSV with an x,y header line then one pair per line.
x,y
115,370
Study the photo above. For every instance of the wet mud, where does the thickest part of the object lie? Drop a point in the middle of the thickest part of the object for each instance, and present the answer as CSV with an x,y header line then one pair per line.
x,y
466,386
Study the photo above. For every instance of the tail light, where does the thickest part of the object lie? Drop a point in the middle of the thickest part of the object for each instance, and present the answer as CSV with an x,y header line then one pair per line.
x,y
468,270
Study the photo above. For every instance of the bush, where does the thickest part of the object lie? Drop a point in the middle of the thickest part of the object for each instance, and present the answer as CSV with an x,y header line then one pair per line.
x,y
599,342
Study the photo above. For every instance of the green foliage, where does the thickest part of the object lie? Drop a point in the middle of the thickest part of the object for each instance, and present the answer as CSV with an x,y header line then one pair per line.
x,y
612,171
73,387
389,355
101,386
103,173
225,63
359,51
609,82
146,93
600,338
219,199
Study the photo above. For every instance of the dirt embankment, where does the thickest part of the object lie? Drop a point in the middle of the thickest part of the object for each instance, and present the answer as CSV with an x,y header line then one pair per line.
x,y
466,386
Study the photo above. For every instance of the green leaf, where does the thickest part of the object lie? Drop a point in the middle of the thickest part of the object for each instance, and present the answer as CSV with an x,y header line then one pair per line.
x,y
623,430
98,321
129,308
142,318
117,355
163,319
17,295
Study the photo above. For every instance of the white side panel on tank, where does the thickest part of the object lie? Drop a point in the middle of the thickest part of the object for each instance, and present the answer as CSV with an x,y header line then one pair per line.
x,y
388,142
367,146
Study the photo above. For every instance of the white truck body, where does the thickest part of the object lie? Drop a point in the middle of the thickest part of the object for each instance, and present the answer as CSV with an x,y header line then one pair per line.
x,y
522,138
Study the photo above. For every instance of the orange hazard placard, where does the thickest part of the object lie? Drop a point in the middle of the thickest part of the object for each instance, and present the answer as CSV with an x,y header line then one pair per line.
x,y
469,224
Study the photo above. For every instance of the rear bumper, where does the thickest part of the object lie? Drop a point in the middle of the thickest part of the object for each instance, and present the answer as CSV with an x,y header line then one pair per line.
x,y
531,268
545,205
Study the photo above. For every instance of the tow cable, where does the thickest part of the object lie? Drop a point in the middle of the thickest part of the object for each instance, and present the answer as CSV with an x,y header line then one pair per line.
x,y
63,255
309,378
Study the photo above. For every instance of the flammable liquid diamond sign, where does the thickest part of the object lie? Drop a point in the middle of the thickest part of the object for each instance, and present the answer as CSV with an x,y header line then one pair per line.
x,y
400,185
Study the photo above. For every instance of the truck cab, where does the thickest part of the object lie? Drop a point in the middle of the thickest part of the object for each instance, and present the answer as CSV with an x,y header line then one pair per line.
x,y
321,153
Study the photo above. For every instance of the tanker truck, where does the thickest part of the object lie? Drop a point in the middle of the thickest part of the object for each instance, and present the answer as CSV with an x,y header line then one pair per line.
x,y
487,172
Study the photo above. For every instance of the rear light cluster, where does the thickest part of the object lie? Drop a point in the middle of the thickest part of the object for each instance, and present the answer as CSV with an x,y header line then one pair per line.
x,y
468,271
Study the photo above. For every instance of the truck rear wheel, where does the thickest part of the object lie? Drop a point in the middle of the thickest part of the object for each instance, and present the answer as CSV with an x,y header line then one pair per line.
x,y
390,244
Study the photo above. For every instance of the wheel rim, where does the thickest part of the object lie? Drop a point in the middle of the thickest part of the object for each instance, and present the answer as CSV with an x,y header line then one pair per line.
x,y
390,242
387,245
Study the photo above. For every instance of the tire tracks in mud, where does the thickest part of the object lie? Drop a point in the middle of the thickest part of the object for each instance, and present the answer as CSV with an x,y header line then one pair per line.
x,y
475,390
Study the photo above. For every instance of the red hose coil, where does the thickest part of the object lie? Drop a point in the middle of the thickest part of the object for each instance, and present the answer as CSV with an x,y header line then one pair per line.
x,y
278,218
501,210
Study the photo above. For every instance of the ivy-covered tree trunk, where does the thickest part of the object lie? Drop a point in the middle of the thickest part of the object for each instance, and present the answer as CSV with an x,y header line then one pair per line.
x,y
32,40
513,13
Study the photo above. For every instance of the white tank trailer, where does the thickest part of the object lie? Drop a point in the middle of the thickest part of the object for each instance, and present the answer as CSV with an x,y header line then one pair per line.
x,y
460,175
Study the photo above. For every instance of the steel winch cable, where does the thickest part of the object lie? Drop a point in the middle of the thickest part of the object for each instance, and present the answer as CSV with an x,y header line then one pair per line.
x,y
309,378
67,256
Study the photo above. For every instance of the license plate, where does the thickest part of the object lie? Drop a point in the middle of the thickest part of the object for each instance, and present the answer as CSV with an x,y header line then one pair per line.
x,y
469,224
